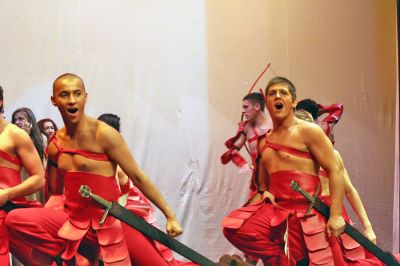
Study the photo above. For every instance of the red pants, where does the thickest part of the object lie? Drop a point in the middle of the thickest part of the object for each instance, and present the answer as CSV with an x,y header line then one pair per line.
x,y
261,236
35,231
4,246
258,238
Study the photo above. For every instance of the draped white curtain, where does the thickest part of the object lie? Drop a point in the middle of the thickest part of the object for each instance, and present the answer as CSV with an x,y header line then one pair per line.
x,y
175,72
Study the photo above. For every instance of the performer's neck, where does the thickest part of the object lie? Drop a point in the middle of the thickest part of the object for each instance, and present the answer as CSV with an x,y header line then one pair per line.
x,y
74,128
259,120
284,123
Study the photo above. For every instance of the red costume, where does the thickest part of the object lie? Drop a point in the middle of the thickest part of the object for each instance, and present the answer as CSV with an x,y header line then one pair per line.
x,y
137,201
259,229
334,112
52,231
233,155
10,178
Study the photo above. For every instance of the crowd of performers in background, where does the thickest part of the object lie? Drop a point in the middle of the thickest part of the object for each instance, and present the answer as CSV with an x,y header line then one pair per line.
x,y
42,168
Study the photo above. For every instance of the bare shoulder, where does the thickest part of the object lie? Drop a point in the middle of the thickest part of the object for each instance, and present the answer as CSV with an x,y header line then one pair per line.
x,y
16,133
309,129
247,126
105,133
105,130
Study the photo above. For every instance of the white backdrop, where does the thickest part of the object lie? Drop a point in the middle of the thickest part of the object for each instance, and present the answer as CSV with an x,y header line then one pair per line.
x,y
175,72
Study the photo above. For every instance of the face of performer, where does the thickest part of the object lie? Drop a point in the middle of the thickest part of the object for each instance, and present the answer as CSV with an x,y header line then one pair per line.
x,y
22,121
69,96
48,129
250,109
279,101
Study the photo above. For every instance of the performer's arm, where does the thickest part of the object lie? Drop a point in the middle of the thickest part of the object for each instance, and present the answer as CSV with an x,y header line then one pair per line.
x,y
30,159
355,201
117,149
55,182
54,190
322,150
232,154
234,145
262,181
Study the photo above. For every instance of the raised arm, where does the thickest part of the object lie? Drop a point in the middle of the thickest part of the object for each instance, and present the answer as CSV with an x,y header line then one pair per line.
x,y
30,159
118,151
322,150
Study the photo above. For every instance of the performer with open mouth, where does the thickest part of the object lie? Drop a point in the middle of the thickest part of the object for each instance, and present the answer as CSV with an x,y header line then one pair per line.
x,y
86,151
275,228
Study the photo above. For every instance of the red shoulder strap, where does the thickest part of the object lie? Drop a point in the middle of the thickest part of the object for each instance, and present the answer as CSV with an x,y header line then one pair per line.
x,y
287,149
53,140
91,155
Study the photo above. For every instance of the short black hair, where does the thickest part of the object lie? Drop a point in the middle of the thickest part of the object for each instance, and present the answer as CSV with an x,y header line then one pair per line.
x,y
111,119
256,97
310,106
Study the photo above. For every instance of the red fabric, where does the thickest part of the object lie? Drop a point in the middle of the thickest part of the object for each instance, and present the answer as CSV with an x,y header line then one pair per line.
x,y
352,251
47,232
85,153
4,243
125,188
279,183
287,149
261,234
237,217
136,200
34,234
10,178
334,112
110,236
67,230
234,156
258,238
11,158
232,153
230,142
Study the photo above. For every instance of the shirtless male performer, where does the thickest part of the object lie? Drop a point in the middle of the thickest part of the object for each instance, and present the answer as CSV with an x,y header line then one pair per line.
x,y
352,251
87,151
254,126
16,151
292,150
